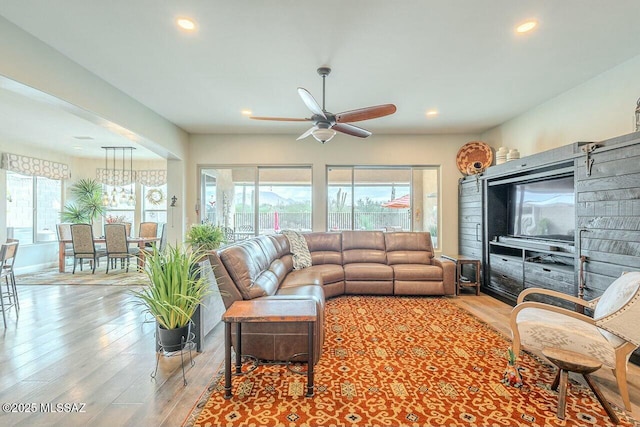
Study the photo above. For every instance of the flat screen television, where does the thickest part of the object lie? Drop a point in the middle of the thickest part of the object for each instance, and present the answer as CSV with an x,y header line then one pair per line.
x,y
543,209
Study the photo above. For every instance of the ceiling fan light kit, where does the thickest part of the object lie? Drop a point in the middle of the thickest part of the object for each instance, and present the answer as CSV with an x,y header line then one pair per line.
x,y
323,135
326,124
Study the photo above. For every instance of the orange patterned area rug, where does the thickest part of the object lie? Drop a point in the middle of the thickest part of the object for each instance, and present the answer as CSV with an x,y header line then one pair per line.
x,y
400,361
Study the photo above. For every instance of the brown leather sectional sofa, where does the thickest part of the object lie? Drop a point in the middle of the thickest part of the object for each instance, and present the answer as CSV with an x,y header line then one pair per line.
x,y
348,262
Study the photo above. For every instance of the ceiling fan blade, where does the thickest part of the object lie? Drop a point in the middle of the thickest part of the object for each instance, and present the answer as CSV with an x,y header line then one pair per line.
x,y
365,113
310,102
351,130
307,133
279,119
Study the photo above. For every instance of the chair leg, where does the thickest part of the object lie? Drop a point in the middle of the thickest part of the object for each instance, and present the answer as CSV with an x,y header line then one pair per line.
x,y
4,316
75,261
93,270
621,378
15,289
108,262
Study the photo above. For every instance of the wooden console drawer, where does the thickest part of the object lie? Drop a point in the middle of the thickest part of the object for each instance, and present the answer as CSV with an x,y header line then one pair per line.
x,y
506,274
549,276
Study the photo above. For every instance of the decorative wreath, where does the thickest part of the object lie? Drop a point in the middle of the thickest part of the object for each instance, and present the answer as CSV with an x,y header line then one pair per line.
x,y
155,196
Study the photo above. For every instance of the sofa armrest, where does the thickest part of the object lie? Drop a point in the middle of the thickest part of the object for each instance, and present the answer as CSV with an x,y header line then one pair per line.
x,y
448,274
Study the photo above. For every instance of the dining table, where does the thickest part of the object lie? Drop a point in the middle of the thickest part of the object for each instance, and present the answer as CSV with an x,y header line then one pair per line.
x,y
140,241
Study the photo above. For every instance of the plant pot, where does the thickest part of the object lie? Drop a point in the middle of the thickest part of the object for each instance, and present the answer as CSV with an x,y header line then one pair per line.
x,y
173,339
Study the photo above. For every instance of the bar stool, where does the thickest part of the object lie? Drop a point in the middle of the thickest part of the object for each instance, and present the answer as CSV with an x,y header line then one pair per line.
x,y
568,361
7,257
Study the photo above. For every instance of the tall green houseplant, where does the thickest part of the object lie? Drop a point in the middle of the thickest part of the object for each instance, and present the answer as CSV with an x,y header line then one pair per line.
x,y
176,286
86,205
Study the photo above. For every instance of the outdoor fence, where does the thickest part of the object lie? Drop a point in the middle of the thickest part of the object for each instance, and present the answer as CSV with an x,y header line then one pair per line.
x,y
400,219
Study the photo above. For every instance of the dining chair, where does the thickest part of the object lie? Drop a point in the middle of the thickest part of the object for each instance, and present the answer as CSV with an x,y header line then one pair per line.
x,y
128,228
610,336
84,246
63,231
117,244
162,244
8,253
148,229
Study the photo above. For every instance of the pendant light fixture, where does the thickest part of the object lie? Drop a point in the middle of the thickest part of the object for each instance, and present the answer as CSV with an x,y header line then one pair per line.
x,y
116,177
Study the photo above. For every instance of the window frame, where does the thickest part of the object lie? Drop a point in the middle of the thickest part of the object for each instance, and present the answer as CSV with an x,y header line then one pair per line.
x,y
35,223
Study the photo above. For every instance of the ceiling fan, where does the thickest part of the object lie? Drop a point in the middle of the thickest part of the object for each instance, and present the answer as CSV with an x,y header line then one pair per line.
x,y
325,123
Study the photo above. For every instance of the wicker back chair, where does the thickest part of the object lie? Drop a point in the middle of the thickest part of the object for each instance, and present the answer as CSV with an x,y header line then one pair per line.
x,y
117,245
84,247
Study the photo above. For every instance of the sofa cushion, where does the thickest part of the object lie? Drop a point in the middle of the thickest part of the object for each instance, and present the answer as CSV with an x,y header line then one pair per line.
x,y
299,249
363,246
417,272
306,276
408,248
245,262
330,273
325,248
368,271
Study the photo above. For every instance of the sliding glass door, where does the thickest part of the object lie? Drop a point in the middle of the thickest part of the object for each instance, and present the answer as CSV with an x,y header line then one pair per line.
x,y
254,200
387,198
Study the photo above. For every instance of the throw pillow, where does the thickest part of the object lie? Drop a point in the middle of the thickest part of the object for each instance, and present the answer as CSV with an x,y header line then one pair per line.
x,y
299,249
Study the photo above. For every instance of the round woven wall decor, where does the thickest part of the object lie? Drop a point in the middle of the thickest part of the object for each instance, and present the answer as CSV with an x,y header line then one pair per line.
x,y
471,152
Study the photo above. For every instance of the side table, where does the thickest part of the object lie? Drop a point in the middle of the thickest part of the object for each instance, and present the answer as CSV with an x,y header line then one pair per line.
x,y
265,311
568,361
461,260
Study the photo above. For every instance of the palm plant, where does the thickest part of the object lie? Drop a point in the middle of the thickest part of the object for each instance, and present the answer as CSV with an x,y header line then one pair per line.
x,y
176,286
87,202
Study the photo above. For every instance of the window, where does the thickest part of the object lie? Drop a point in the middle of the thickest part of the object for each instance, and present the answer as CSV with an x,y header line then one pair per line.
x,y
154,204
122,203
284,199
257,199
33,208
383,198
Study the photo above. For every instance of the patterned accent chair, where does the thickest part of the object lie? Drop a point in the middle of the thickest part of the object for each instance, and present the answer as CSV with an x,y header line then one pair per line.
x,y
610,336
117,245
83,246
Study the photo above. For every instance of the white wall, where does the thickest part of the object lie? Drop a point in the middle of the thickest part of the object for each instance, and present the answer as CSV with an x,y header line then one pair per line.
x,y
27,60
437,150
598,109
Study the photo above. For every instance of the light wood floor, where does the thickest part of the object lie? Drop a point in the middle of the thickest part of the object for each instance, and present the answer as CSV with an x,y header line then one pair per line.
x,y
89,345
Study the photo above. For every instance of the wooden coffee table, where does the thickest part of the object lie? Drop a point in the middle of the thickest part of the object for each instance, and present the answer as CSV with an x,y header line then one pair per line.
x,y
568,361
265,311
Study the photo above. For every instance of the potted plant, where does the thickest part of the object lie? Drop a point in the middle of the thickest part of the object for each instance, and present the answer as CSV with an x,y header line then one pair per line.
x,y
87,202
205,237
176,289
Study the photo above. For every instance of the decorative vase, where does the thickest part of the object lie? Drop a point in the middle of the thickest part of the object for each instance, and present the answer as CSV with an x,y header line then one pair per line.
x,y
501,155
173,339
512,376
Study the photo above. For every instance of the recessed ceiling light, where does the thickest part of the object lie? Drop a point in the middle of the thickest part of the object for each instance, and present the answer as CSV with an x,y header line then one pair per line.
x,y
246,112
77,147
431,113
186,24
526,26
84,137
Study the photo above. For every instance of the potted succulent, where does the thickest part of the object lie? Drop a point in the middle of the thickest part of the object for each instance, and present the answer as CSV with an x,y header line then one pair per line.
x,y
205,237
176,289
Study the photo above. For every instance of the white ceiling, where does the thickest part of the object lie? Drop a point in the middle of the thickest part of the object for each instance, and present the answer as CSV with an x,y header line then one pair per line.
x,y
460,57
